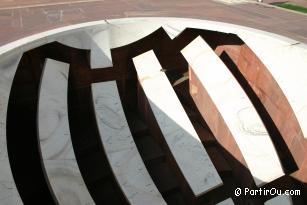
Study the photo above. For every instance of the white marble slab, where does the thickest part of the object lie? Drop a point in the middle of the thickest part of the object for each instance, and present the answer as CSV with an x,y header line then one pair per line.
x,y
129,30
125,32
100,50
287,64
97,40
123,156
8,192
285,54
178,131
226,202
55,140
279,200
236,110
79,40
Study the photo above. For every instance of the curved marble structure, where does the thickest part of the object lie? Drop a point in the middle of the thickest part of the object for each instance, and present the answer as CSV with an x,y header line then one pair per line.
x,y
285,97
55,139
229,111
123,156
176,128
8,191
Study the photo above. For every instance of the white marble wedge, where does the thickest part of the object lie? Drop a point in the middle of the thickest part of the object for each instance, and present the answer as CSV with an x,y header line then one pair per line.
x,y
96,40
8,190
226,202
124,32
233,107
175,125
279,200
79,40
57,152
100,50
120,148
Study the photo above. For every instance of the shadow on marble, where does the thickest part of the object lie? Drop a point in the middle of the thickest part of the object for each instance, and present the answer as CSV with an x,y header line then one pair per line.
x,y
176,128
8,190
243,114
234,110
126,163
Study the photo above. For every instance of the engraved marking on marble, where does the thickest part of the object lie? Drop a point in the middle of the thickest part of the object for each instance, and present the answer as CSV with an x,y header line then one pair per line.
x,y
8,192
249,122
123,156
55,139
176,127
288,67
236,110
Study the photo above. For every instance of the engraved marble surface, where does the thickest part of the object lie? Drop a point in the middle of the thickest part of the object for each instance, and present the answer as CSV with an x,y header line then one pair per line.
x,y
288,67
123,156
236,110
126,31
279,200
79,39
97,40
100,50
284,57
8,191
226,202
55,141
175,125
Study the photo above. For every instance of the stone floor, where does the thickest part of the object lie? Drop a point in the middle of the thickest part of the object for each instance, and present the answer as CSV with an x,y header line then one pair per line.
x,y
20,18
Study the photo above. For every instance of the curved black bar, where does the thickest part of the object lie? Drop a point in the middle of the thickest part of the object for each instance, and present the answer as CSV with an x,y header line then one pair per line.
x,y
22,139
88,149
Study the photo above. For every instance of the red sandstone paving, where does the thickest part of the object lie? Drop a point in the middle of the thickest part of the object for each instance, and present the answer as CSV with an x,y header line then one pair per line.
x,y
24,3
20,22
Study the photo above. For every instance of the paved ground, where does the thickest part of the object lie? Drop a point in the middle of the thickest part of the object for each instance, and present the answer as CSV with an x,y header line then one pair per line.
x,y
20,18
